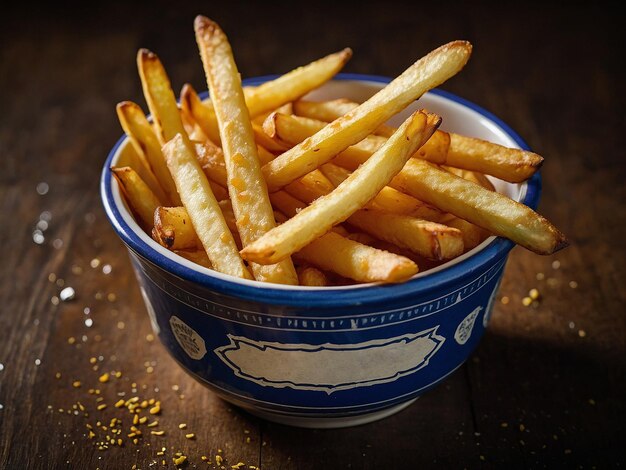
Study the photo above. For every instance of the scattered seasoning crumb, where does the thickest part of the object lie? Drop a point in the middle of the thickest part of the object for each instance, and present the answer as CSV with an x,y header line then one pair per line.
x,y
592,401
37,362
153,424
571,325
505,300
573,284
482,457
522,428
526,301
218,459
54,300
76,384
101,407
533,294
179,460
94,263
149,369
582,333
237,466
121,325
117,374
157,433
106,269
52,277
504,425
57,375
247,440
182,426
556,264
190,436
568,451
156,409
111,297
149,337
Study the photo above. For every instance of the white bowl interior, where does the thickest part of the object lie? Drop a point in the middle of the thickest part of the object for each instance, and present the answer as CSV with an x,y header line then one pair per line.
x,y
456,118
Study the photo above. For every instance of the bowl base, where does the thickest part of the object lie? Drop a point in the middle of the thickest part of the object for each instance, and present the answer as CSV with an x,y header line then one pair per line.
x,y
329,423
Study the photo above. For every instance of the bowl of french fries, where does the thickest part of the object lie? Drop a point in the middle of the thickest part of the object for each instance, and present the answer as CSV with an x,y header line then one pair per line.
x,y
319,248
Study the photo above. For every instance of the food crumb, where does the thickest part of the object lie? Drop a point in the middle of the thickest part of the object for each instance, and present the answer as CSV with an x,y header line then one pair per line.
x,y
104,378
582,333
592,401
76,384
556,264
526,301
190,435
182,426
573,284
504,300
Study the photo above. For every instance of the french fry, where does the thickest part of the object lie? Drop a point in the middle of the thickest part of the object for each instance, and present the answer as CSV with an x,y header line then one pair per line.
x,y
388,199
203,115
203,209
140,197
426,73
173,229
473,235
160,98
348,197
195,256
348,258
249,197
273,93
145,143
492,211
328,111
509,164
312,277
428,239
219,191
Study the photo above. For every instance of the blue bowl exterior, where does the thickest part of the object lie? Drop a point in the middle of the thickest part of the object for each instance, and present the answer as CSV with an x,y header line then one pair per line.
x,y
333,353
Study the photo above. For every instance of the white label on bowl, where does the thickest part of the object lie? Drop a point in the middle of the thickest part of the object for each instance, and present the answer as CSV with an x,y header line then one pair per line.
x,y
329,367
189,340
464,330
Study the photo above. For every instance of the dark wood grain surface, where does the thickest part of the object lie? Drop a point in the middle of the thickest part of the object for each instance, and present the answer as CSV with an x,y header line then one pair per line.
x,y
546,387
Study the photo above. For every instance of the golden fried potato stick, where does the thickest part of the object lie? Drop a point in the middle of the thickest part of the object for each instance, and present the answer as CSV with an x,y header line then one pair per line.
x,y
388,199
428,239
145,143
203,209
160,98
492,211
473,235
428,72
173,229
360,187
328,111
271,94
195,256
312,277
509,164
248,193
351,259
140,197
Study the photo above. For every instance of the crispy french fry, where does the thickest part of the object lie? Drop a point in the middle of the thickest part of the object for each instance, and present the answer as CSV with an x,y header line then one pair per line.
x,y
145,143
312,277
203,115
360,187
219,191
160,98
196,256
287,109
333,252
490,210
472,176
473,235
261,138
428,239
204,211
271,94
249,197
426,73
173,229
140,197
509,164
388,199
328,111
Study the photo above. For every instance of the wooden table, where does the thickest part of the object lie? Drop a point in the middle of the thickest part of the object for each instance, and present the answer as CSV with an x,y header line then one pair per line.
x,y
545,388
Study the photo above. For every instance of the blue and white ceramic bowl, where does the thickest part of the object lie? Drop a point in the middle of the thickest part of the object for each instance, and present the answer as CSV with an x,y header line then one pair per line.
x,y
331,356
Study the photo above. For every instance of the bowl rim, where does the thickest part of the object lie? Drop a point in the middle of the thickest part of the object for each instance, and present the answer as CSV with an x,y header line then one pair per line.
x,y
342,296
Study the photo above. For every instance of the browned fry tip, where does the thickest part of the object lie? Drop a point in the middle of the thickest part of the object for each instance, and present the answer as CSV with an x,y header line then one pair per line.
x,y
203,25
269,125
